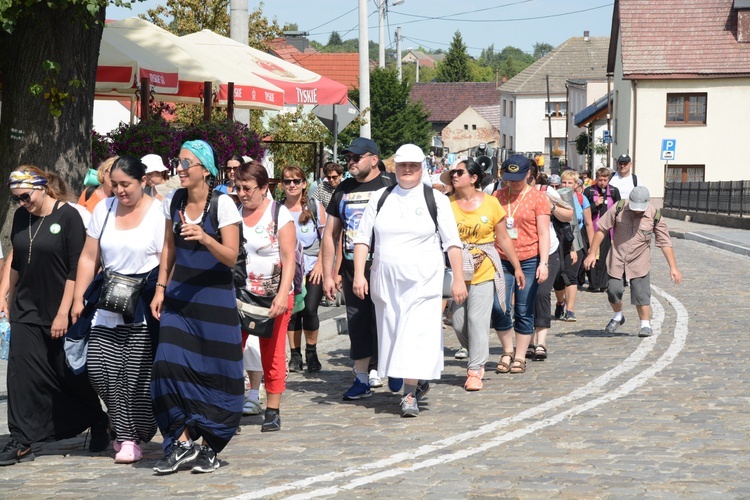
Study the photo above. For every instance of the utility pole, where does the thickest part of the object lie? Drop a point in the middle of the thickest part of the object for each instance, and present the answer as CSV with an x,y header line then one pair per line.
x,y
549,123
417,77
364,71
398,52
238,31
381,34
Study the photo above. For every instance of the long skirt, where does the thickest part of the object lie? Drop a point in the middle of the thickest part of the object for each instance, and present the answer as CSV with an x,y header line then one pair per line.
x,y
119,363
45,399
598,277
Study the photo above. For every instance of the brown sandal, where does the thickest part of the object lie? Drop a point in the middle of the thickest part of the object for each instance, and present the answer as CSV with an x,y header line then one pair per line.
x,y
518,366
505,367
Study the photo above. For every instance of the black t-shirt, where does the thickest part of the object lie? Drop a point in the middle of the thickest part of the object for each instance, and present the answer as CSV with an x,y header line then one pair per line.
x,y
614,193
347,204
54,260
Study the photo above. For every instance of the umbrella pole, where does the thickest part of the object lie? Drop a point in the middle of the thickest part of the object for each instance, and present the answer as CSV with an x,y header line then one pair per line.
x,y
230,101
145,94
207,98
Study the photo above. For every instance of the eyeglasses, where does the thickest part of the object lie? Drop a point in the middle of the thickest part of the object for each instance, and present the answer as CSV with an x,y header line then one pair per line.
x,y
356,158
296,182
185,164
459,172
332,177
23,198
230,168
249,190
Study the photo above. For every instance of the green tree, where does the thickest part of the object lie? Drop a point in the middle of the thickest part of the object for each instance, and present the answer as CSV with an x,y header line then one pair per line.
x,y
409,73
455,66
394,120
541,49
334,39
183,17
298,125
48,59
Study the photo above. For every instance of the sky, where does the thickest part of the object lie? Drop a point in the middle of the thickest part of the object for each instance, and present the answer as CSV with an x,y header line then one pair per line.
x,y
432,23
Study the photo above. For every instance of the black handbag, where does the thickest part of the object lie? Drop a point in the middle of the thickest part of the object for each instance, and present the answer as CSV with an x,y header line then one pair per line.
x,y
120,293
253,313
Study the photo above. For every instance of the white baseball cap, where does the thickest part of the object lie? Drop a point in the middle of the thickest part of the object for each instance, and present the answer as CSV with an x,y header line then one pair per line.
x,y
409,153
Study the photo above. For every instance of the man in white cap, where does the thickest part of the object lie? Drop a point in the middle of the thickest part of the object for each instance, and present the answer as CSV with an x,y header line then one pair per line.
x,y
633,222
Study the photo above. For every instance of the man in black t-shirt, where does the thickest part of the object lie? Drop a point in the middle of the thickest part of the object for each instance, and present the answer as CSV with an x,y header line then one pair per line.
x,y
347,205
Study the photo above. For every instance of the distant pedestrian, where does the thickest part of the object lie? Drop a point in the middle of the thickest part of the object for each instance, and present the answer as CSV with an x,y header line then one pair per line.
x,y
602,196
623,179
629,259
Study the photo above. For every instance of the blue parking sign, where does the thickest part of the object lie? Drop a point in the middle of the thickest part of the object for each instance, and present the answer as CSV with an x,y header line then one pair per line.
x,y
668,149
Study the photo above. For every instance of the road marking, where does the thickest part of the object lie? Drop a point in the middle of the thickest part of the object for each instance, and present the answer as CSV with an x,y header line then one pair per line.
x,y
595,386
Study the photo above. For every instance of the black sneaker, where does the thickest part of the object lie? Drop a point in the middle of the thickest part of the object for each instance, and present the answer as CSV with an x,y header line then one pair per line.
x,y
313,363
559,311
295,362
99,437
272,422
181,453
15,452
423,387
207,460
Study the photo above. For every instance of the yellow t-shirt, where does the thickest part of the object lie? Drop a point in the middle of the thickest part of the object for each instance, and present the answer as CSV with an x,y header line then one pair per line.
x,y
478,227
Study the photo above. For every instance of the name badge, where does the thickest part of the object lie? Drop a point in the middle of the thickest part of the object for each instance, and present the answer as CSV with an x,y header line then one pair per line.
x,y
513,233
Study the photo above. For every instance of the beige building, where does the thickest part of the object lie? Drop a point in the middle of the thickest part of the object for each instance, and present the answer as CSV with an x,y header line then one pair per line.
x,y
472,127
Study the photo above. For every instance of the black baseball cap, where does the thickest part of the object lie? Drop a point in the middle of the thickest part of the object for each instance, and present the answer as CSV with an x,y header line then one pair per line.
x,y
362,145
623,159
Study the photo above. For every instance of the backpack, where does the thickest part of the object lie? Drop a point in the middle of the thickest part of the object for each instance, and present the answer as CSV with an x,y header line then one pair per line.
x,y
299,256
621,205
239,270
429,197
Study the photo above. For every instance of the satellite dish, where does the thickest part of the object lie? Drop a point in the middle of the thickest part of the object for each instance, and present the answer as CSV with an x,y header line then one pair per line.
x,y
485,162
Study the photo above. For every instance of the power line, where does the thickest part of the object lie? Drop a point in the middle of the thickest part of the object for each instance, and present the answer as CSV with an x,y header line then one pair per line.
x,y
466,12
334,19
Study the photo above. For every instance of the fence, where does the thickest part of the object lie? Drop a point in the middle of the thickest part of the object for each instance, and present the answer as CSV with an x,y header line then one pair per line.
x,y
719,197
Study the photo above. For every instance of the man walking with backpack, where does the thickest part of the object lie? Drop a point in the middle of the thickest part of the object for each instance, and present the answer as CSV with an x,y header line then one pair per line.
x,y
623,179
629,260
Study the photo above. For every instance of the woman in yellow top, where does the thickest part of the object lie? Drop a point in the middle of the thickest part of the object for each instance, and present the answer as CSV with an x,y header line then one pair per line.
x,y
480,225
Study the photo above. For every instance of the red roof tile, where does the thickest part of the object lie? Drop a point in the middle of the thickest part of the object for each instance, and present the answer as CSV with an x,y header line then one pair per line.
x,y
338,66
680,38
445,101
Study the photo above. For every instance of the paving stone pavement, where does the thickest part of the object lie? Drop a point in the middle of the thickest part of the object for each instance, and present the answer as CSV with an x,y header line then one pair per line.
x,y
606,416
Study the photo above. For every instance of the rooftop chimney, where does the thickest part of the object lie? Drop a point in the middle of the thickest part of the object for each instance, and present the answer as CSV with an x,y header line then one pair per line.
x,y
586,37
743,20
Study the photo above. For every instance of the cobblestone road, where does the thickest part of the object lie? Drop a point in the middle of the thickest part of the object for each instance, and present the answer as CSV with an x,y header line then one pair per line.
x,y
605,416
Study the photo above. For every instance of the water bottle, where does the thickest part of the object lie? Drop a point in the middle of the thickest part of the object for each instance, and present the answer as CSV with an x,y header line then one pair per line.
x,y
4,336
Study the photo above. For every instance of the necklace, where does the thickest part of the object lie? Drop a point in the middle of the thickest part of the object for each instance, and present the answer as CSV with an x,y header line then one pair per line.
x,y
31,238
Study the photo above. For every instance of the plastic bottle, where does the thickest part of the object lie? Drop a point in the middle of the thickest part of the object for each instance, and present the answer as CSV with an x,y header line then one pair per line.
x,y
4,336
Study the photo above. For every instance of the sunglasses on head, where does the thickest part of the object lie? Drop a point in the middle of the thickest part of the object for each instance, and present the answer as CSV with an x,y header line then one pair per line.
x,y
23,198
296,182
458,171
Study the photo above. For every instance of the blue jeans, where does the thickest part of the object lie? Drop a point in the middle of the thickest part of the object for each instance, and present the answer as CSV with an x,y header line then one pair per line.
x,y
522,319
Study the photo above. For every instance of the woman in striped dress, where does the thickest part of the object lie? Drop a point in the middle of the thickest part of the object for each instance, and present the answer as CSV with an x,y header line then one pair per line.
x,y
197,384
126,233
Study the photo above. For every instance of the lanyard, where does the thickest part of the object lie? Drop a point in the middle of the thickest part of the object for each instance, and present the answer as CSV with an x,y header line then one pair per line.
x,y
518,202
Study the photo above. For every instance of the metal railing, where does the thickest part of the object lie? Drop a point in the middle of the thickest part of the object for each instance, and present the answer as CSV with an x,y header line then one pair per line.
x,y
718,197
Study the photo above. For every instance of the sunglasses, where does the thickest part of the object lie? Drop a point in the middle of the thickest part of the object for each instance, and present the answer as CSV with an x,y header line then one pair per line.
x,y
332,177
184,163
24,198
231,168
459,172
296,182
240,188
356,158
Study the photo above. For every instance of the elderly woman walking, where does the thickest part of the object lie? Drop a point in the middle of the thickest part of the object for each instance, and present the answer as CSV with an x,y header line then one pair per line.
x,y
411,234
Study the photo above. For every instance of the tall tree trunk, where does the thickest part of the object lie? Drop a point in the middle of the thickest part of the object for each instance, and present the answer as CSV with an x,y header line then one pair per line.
x,y
29,134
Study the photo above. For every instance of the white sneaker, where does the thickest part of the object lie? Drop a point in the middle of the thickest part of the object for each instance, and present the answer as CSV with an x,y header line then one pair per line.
x,y
251,407
374,379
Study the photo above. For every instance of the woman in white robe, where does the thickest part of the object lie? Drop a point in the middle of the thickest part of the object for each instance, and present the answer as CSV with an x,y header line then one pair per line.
x,y
407,276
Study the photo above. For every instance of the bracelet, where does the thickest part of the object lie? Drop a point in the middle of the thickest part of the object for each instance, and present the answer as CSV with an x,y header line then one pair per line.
x,y
162,285
544,264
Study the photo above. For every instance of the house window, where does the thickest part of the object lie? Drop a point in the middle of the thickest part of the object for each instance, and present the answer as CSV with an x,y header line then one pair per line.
x,y
686,173
511,109
558,144
505,103
557,109
504,139
687,108
466,126
473,126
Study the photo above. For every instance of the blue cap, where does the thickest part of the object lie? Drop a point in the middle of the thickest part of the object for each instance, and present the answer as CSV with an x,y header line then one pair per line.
x,y
515,168
362,145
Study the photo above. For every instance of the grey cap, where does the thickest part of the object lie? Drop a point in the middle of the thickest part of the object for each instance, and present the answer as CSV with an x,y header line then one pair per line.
x,y
638,199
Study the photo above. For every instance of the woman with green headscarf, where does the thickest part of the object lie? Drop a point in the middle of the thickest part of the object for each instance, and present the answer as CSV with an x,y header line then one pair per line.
x,y
197,383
